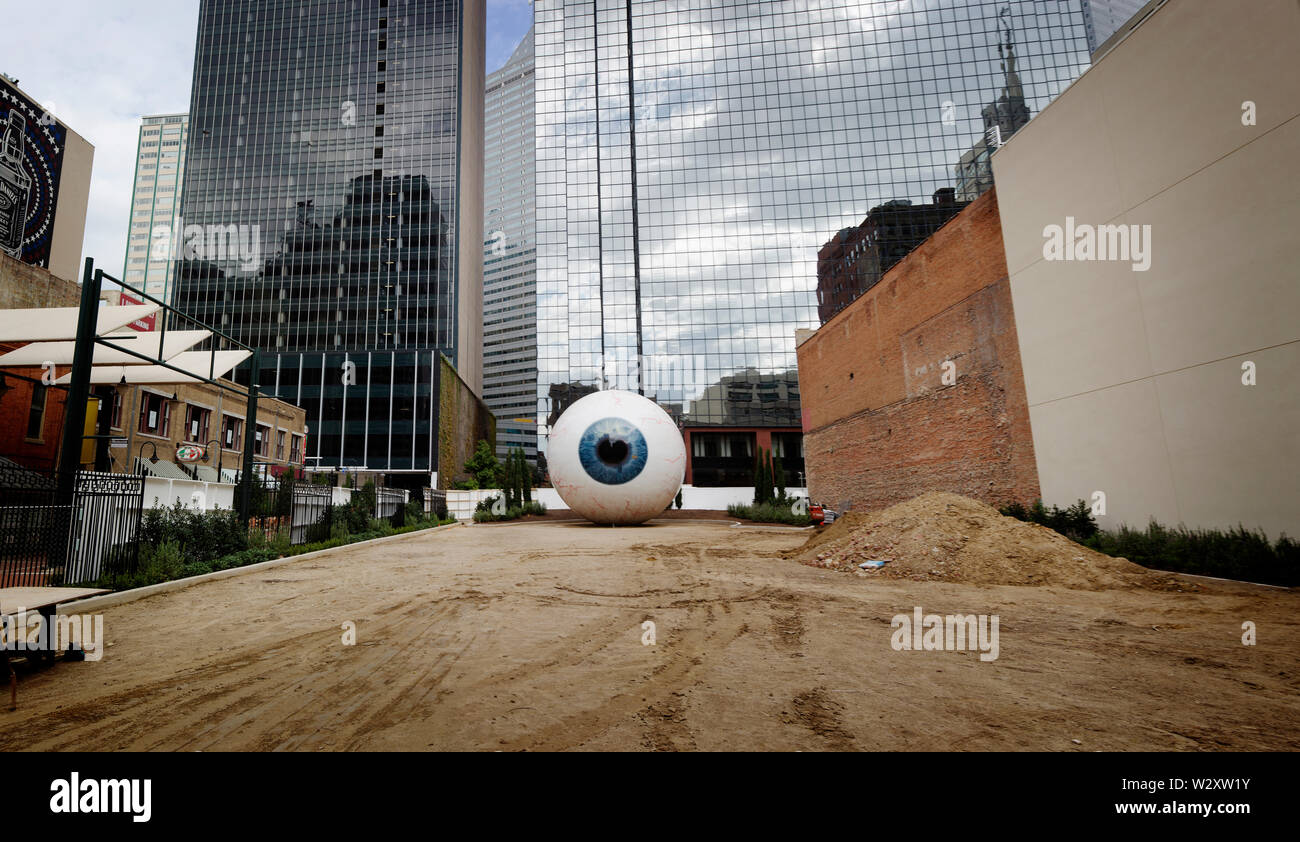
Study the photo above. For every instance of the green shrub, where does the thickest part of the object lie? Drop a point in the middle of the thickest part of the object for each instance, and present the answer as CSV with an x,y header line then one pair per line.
x,y
167,560
202,536
194,568
1237,553
778,511
484,514
1075,522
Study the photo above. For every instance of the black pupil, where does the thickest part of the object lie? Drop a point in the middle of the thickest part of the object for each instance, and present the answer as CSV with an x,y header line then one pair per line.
x,y
611,451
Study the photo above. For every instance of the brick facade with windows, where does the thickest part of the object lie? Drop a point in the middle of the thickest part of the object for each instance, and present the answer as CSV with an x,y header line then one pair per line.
x,y
162,414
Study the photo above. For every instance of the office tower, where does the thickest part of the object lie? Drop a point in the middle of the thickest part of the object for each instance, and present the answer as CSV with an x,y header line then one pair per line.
x,y
44,184
680,212
333,211
855,259
1104,19
155,203
510,253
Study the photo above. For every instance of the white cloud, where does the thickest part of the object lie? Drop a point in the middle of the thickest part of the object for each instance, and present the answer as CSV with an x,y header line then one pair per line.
x,y
101,67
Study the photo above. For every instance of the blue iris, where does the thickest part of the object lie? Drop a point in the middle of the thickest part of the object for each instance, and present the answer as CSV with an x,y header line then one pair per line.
x,y
612,451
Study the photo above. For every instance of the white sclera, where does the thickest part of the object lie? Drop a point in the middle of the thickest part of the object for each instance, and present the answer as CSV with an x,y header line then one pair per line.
x,y
643,496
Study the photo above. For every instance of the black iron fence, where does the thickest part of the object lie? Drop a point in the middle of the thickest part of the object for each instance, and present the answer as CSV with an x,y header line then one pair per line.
x,y
106,512
390,505
435,503
44,542
310,502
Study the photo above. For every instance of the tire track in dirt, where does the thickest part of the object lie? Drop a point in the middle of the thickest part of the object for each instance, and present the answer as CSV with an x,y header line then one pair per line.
x,y
228,694
686,650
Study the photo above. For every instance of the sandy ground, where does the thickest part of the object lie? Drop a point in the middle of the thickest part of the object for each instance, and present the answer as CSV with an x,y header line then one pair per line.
x,y
529,636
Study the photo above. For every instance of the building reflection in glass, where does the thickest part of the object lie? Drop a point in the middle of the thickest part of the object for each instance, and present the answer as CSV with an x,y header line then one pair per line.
x,y
694,157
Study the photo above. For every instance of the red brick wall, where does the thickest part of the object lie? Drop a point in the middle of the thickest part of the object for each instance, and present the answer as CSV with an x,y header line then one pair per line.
x,y
881,425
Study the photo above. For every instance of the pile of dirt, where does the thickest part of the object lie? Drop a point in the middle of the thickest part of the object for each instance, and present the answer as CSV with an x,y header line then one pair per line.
x,y
946,537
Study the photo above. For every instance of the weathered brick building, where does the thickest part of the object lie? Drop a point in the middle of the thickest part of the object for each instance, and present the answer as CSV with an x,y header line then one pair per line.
x,y
855,259
31,414
885,415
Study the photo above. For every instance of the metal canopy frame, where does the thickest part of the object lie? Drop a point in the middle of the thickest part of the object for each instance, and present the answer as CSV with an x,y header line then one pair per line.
x,y
83,361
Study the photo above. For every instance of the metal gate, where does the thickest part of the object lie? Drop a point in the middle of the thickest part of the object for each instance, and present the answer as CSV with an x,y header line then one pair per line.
x,y
105,528
309,503
390,505
43,543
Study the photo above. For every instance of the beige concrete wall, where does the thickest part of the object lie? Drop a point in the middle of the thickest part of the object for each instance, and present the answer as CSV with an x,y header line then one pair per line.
x,y
469,227
70,214
1134,378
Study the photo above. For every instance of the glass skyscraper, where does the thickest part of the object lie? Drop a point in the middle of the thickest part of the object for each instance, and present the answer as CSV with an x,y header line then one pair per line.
x,y
510,253
1103,18
332,211
694,155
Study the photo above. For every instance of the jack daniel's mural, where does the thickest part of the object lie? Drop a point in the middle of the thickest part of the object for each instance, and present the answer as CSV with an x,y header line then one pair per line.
x,y
31,160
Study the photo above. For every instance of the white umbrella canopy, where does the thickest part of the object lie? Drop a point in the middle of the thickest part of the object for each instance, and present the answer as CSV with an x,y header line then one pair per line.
x,y
48,324
154,344
198,367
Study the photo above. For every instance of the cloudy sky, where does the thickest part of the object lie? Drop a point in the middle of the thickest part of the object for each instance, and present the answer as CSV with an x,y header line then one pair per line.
x,y
103,65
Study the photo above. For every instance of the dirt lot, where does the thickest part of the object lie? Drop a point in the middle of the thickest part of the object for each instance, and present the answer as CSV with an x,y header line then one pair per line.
x,y
529,636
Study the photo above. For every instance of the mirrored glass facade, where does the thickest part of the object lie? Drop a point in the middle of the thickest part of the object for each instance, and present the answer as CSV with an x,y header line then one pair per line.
x,y
1103,18
329,188
694,155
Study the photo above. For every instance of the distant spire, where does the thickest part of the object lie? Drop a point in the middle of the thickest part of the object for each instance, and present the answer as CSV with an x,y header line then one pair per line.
x,y
1007,52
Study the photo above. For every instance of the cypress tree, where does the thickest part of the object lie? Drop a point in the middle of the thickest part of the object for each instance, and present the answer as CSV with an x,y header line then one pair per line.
x,y
779,474
528,477
512,480
767,476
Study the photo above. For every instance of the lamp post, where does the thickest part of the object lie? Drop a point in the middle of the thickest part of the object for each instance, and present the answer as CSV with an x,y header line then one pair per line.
x,y
153,458
207,453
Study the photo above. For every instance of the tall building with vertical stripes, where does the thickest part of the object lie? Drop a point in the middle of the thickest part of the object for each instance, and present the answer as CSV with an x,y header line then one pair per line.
x,y
332,210
510,252
155,202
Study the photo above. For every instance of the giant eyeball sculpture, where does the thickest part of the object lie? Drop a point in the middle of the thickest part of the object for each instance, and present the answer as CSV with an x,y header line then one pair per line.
x,y
616,457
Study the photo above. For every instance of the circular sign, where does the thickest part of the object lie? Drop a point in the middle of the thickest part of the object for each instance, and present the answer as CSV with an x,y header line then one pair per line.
x,y
189,453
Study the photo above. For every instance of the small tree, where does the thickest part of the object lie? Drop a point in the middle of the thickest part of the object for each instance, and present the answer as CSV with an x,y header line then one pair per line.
x,y
527,477
514,480
484,466
678,499
762,479
778,473
771,478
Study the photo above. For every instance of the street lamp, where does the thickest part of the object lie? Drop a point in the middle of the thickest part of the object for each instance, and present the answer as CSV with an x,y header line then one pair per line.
x,y
153,458
207,452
